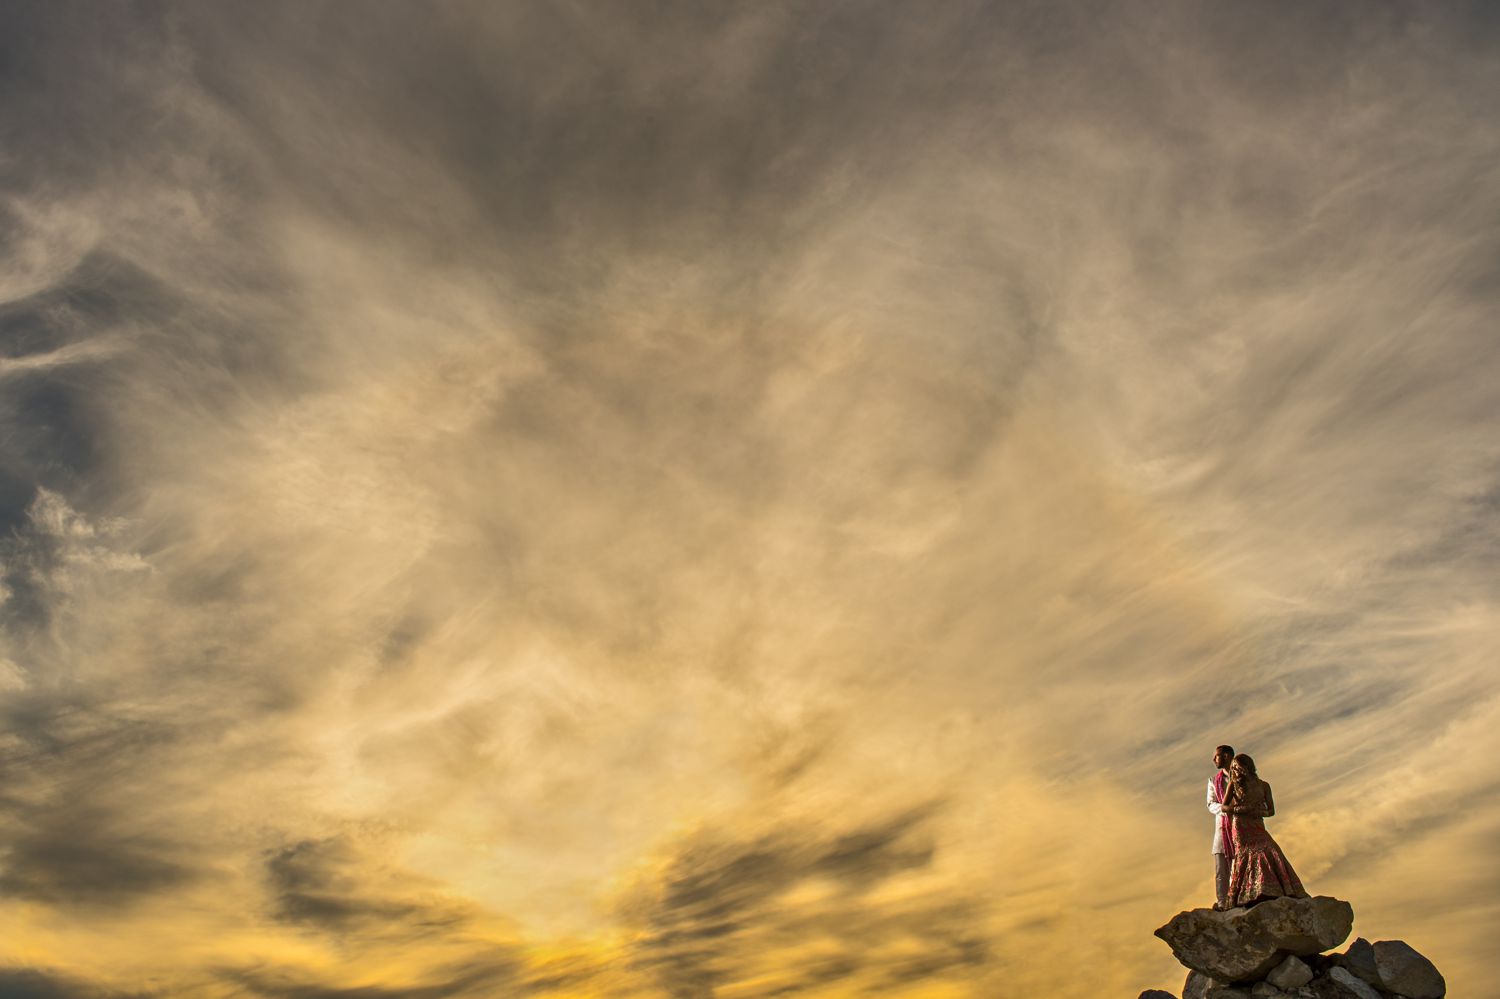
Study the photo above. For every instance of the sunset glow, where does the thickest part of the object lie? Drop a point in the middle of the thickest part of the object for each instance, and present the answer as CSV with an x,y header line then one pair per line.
x,y
722,501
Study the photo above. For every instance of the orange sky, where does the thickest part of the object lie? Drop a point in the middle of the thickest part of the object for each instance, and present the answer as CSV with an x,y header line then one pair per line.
x,y
572,500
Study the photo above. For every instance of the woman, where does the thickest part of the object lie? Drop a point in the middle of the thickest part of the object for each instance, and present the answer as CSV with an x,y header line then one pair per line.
x,y
1261,871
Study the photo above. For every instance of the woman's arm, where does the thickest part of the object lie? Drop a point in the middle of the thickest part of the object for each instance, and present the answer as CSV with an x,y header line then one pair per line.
x,y
1270,802
1233,801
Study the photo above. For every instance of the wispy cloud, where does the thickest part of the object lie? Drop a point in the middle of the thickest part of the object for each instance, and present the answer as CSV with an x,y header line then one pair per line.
x,y
78,353
547,498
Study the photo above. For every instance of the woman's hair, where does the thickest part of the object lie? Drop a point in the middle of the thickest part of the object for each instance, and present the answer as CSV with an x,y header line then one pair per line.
x,y
1246,764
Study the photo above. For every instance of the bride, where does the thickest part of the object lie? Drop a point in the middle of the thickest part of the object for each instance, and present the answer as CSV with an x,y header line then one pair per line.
x,y
1261,871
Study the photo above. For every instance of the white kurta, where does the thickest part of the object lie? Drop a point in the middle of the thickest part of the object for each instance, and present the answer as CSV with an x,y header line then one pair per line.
x,y
1216,807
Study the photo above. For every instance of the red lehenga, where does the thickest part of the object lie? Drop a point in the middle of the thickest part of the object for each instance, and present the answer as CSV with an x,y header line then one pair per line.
x,y
1261,871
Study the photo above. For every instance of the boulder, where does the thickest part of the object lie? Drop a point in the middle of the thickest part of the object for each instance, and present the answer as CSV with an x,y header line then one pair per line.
x,y
1197,985
1265,990
1290,974
1407,973
1244,945
1155,994
1352,985
1360,959
1225,992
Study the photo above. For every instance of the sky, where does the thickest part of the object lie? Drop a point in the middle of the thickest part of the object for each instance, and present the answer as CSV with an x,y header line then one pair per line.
x,y
671,500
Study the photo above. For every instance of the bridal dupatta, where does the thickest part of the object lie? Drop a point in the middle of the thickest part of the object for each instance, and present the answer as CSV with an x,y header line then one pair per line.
x,y
1226,827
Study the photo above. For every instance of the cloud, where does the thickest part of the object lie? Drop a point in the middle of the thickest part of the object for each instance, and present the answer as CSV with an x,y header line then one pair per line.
x,y
284,987
481,976
55,861
316,883
287,990
35,983
780,501
795,910
75,354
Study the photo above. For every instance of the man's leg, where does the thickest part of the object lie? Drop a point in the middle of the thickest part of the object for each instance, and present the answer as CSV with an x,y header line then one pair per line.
x,y
1221,877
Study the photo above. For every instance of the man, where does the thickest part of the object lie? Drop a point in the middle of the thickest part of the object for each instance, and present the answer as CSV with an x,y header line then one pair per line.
x,y
1223,835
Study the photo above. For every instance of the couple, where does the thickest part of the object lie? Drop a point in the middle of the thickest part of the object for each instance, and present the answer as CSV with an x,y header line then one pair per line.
x,y
1248,865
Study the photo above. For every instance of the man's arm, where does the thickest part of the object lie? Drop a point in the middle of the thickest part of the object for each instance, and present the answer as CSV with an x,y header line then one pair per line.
x,y
1213,802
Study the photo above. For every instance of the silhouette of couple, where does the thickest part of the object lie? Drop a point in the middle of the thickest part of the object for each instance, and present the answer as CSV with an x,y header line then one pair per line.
x,y
1248,865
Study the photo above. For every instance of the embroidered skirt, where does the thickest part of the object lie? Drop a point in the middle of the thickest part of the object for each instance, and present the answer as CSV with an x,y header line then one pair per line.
x,y
1260,870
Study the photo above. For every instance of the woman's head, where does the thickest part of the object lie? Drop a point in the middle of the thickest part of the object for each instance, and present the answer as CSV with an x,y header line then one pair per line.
x,y
1244,764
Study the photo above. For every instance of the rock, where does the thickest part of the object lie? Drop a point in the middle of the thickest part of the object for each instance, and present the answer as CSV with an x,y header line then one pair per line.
x,y
1197,985
1243,945
1351,985
1407,973
1155,994
1290,974
1225,992
1360,959
1265,990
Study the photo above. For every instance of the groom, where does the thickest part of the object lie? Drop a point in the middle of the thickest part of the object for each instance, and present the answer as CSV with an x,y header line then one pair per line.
x,y
1223,836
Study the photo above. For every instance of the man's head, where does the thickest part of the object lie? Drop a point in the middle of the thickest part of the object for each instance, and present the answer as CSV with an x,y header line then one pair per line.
x,y
1222,756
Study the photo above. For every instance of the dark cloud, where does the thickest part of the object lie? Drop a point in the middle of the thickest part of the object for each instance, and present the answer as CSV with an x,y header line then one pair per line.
x,y
668,115
721,906
76,854
35,983
66,350
78,802
66,103
485,974
325,884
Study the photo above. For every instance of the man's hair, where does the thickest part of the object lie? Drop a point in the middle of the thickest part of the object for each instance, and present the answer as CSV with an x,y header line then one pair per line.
x,y
1224,749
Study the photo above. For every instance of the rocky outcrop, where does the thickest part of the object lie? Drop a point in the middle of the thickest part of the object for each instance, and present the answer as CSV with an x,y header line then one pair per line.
x,y
1245,945
1281,950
